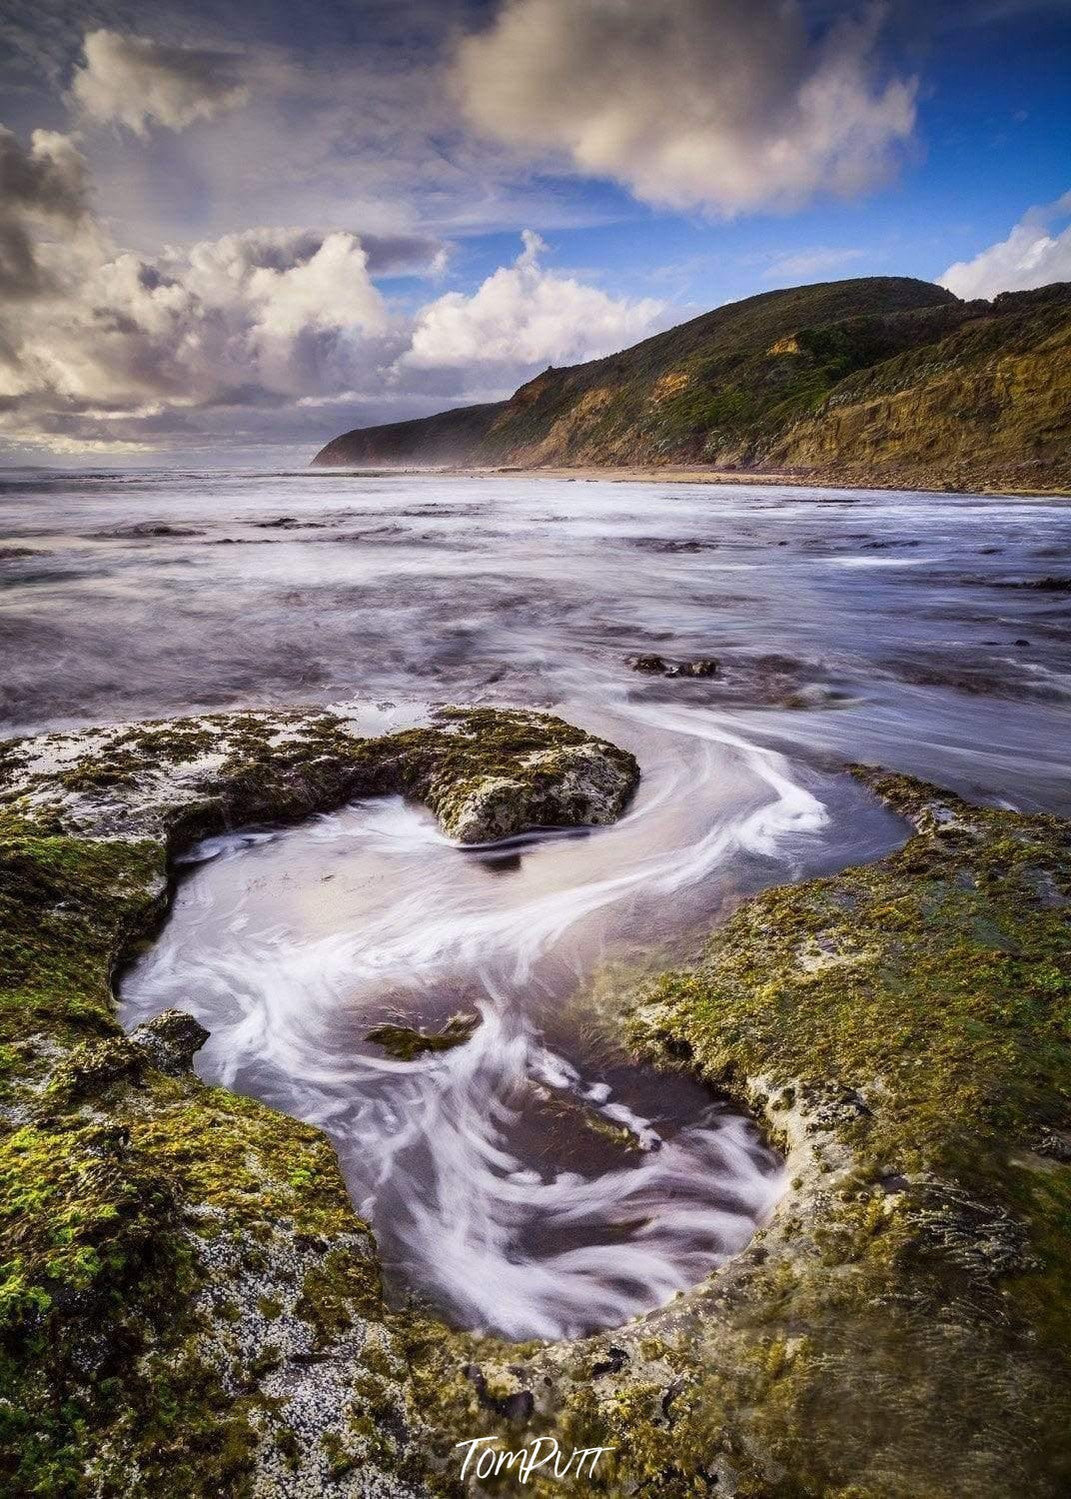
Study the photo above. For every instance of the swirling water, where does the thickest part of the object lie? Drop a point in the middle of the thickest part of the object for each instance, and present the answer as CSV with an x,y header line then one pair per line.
x,y
532,1180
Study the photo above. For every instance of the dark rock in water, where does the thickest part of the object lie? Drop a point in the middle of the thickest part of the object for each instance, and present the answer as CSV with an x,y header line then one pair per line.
x,y
702,666
771,662
146,531
171,1040
406,1043
289,523
1038,585
671,546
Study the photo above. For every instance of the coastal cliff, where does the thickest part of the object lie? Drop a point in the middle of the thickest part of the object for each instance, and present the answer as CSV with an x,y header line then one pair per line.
x,y
884,380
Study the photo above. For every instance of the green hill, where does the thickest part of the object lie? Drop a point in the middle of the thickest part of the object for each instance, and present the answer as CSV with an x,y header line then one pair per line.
x,y
882,380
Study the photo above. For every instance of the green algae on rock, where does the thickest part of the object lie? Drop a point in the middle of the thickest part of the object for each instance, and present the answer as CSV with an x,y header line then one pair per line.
x,y
189,1302
405,1043
486,773
900,1327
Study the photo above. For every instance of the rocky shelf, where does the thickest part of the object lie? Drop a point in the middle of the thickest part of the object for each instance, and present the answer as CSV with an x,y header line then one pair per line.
x,y
191,1305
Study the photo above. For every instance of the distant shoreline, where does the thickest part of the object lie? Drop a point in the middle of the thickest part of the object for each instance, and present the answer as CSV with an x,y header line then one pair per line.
x,y
685,474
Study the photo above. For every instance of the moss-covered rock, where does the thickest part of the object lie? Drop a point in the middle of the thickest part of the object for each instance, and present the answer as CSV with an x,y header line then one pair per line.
x,y
900,1327
188,1302
486,773
406,1042
190,1305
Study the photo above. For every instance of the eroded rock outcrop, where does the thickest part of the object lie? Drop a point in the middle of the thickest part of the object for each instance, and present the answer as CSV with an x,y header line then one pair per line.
x,y
190,1304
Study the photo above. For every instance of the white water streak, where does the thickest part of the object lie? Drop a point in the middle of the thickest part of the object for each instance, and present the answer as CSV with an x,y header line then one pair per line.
x,y
527,1250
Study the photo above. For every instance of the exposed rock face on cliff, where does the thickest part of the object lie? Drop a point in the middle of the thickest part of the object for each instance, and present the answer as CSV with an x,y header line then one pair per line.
x,y
882,380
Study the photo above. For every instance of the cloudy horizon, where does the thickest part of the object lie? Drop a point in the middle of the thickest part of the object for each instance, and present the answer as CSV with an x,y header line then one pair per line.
x,y
223,248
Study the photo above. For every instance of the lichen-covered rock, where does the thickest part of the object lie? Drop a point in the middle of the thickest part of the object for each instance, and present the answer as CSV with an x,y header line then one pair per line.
x,y
485,772
574,785
493,774
190,1305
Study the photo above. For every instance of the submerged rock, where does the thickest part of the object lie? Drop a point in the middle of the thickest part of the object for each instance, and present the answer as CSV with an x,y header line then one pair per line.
x,y
406,1043
702,666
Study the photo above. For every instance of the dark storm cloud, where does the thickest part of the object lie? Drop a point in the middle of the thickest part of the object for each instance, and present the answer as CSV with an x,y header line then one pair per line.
x,y
46,184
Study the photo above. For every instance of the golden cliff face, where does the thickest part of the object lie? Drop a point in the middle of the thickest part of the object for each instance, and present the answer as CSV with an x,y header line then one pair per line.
x,y
881,381
998,418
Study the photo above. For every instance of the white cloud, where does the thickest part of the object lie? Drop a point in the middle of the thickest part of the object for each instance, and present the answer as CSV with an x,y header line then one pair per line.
x,y
260,317
690,103
133,80
523,315
1035,253
276,335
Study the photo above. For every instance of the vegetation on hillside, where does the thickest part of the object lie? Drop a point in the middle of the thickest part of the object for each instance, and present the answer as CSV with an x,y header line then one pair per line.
x,y
882,379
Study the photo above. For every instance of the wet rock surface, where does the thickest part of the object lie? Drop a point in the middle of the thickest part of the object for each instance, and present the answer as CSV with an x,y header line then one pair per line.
x,y
486,773
190,1302
655,665
192,1305
405,1042
171,1040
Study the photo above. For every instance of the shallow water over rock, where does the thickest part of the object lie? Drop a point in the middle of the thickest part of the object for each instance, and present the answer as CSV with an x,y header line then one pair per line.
x,y
513,1178
529,1179
898,627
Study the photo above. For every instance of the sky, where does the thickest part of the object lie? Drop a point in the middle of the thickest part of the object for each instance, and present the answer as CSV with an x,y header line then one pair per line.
x,y
229,232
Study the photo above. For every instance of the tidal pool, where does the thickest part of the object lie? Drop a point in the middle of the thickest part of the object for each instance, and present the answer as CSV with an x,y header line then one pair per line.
x,y
532,1180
